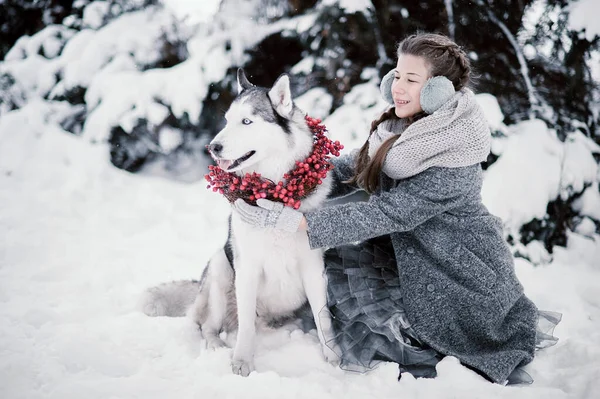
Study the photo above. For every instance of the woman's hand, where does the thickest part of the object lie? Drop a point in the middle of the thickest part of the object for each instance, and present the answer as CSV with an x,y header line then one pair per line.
x,y
270,214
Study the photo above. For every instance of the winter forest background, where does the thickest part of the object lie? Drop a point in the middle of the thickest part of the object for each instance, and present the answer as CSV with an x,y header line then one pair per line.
x,y
105,110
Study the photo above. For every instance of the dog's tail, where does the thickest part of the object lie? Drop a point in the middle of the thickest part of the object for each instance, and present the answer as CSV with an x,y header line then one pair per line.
x,y
170,299
191,297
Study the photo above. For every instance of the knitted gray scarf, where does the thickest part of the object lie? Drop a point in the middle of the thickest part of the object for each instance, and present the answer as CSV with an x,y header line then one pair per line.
x,y
455,135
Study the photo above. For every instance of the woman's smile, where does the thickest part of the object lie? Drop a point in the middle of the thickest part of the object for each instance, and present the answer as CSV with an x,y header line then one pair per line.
x,y
410,75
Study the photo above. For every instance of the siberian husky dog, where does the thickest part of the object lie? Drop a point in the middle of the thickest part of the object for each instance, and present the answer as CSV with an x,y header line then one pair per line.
x,y
261,274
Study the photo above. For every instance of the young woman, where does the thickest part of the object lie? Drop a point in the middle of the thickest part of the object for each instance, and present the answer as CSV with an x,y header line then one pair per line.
x,y
432,275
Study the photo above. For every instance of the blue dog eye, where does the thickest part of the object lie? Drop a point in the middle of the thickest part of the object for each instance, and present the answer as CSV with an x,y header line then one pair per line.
x,y
246,121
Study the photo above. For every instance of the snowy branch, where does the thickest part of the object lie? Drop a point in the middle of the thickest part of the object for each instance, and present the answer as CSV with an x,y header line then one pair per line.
x,y
533,98
450,12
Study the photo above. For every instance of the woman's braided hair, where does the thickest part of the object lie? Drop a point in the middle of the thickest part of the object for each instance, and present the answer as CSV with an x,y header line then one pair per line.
x,y
443,58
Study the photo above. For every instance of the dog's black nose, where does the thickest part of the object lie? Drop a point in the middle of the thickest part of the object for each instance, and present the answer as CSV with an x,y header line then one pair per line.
x,y
215,148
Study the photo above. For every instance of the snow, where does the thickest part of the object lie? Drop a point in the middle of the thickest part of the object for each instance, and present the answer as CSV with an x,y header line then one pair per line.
x,y
95,13
35,75
110,63
582,17
193,11
517,197
315,102
450,12
350,6
48,42
304,66
529,52
579,166
81,240
586,227
139,36
492,111
350,123
169,139
589,202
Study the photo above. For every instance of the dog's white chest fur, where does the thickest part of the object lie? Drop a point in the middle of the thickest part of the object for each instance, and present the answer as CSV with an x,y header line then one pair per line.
x,y
278,258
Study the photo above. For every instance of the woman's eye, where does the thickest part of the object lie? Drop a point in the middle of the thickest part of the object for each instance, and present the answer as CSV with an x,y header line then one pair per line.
x,y
396,77
246,121
412,81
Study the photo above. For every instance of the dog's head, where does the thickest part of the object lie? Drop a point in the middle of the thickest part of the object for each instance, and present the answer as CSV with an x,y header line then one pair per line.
x,y
262,125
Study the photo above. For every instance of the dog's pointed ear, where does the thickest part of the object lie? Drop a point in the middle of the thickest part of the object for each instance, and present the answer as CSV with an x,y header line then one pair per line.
x,y
281,96
242,81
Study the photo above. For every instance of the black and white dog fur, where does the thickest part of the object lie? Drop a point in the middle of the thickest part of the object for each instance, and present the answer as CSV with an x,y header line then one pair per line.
x,y
261,274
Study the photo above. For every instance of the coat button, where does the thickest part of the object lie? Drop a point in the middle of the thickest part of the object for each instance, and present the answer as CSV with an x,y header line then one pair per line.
x,y
410,250
430,287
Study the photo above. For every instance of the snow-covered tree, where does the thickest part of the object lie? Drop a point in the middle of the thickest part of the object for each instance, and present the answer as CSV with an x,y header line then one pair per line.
x,y
152,83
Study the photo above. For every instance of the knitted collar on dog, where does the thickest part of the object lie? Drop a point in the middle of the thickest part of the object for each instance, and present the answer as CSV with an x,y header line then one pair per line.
x,y
296,185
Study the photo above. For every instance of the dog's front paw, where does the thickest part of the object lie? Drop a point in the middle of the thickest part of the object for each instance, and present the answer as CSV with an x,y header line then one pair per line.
x,y
242,367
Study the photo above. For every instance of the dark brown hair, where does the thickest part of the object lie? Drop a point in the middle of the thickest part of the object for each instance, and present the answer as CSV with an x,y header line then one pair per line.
x,y
443,57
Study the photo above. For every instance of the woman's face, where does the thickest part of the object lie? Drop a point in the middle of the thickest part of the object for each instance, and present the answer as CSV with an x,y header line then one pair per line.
x,y
410,75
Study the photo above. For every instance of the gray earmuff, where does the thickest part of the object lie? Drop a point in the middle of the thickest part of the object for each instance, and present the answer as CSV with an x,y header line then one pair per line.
x,y
385,87
435,93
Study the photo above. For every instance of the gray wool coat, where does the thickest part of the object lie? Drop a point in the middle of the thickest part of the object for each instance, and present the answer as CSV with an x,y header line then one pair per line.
x,y
459,287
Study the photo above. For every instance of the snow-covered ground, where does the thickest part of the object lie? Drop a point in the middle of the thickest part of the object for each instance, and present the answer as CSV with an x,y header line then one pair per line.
x,y
81,240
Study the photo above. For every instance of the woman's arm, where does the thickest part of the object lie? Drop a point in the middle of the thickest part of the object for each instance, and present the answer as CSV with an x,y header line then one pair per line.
x,y
412,202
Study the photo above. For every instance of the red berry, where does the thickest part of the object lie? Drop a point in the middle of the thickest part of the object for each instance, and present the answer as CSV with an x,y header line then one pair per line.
x,y
302,179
